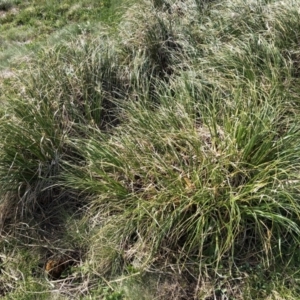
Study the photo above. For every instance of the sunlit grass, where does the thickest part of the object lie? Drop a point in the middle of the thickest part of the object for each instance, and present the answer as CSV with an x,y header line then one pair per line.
x,y
27,25
165,148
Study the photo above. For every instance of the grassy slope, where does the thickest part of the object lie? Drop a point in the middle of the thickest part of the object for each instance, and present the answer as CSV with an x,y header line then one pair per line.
x,y
27,26
156,159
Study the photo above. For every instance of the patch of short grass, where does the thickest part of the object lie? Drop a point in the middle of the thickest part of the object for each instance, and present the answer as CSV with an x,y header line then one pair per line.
x,y
27,25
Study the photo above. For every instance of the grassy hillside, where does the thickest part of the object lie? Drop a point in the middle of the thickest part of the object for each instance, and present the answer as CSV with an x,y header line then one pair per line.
x,y
26,26
150,152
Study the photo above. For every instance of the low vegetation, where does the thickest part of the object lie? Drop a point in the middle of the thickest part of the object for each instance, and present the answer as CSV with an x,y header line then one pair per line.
x,y
155,157
28,26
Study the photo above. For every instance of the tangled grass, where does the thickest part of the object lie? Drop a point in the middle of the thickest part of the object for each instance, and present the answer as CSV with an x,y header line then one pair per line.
x,y
165,156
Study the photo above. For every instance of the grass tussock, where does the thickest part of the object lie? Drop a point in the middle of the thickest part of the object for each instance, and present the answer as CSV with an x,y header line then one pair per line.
x,y
159,159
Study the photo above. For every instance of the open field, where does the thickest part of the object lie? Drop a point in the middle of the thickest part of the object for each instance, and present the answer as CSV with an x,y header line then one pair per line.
x,y
150,150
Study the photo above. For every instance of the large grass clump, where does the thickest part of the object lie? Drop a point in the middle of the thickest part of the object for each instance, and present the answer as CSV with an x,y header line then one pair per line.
x,y
161,158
